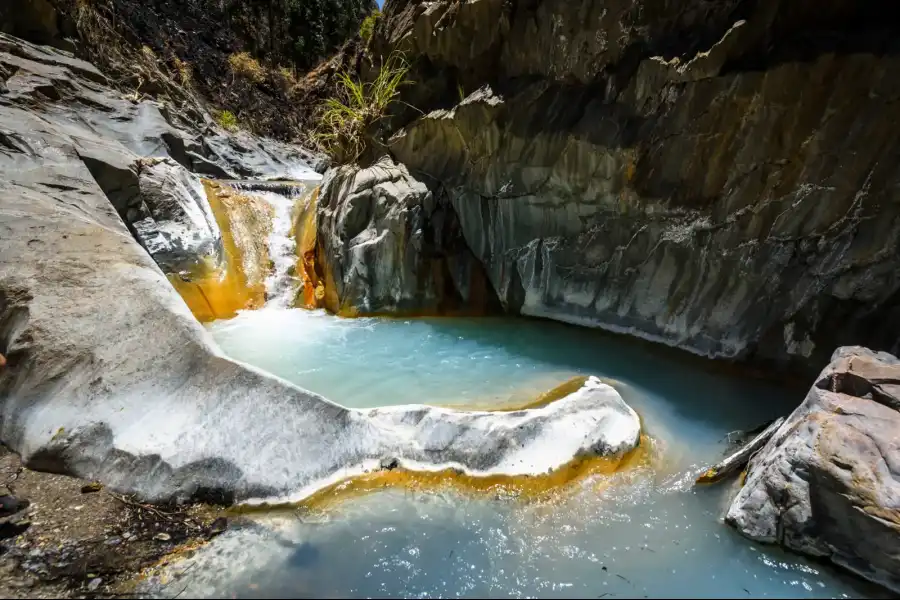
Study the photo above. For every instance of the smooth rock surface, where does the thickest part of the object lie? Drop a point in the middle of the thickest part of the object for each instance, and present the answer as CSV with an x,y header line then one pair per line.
x,y
828,483
387,244
718,177
172,218
109,377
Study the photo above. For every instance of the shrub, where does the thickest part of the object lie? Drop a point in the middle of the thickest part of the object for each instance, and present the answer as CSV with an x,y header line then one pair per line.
x,y
368,26
227,120
348,123
246,66
185,75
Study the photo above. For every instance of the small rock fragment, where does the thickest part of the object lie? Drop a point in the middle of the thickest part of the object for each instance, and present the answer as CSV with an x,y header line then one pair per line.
x,y
94,486
10,505
94,584
162,537
389,464
218,526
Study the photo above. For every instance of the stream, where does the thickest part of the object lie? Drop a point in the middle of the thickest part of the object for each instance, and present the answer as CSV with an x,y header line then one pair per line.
x,y
645,532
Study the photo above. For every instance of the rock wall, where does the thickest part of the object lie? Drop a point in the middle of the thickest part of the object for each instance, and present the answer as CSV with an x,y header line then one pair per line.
x,y
721,177
827,482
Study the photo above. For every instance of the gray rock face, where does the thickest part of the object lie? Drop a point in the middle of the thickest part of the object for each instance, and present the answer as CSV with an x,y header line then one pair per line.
x,y
171,217
108,375
387,244
828,483
718,177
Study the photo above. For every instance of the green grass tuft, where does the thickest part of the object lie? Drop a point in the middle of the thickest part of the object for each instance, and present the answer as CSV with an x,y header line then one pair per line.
x,y
227,120
367,27
348,122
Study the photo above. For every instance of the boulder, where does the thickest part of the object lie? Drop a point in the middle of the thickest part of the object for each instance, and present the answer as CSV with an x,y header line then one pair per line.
x,y
713,176
828,482
388,244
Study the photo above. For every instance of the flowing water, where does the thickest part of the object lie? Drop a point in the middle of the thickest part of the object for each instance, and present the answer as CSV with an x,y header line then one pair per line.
x,y
282,283
641,533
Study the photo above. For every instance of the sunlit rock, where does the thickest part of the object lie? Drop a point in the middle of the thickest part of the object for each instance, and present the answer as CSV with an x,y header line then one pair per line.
x,y
717,180
312,289
826,484
387,245
208,238
111,378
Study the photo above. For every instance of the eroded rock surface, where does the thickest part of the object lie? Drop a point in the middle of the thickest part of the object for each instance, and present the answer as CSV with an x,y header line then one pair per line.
x,y
828,483
719,177
388,244
108,375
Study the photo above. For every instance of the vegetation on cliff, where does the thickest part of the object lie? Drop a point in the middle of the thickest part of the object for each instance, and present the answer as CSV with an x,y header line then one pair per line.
x,y
348,125
241,56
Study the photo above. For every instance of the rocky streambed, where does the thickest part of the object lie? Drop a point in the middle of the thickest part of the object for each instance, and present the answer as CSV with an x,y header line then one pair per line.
x,y
123,223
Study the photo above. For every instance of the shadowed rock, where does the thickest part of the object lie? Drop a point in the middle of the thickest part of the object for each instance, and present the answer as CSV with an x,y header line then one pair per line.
x,y
720,177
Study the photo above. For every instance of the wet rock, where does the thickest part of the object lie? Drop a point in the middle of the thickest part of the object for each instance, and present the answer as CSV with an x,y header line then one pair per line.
x,y
217,527
91,487
387,244
171,217
389,464
667,170
826,483
162,537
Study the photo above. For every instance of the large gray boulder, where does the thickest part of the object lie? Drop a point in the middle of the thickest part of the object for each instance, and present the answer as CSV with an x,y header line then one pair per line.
x,y
388,244
109,376
828,483
716,176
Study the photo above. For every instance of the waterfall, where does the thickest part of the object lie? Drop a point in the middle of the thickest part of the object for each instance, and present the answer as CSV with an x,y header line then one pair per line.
x,y
282,282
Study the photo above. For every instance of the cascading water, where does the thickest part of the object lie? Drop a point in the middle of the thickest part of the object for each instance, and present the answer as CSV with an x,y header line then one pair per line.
x,y
282,283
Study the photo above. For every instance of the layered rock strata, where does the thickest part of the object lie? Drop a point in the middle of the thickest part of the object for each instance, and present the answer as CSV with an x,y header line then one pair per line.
x,y
717,177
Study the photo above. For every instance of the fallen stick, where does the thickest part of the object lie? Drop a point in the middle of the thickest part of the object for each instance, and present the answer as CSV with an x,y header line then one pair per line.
x,y
739,459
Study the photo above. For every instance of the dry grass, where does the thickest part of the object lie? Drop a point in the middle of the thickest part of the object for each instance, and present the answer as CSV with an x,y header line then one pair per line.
x,y
131,69
289,80
244,65
185,73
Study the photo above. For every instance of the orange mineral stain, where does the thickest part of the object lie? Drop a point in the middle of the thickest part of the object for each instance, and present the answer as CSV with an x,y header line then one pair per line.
x,y
218,289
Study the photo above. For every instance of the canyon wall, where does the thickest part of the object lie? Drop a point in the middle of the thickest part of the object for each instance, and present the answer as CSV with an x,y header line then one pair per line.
x,y
720,177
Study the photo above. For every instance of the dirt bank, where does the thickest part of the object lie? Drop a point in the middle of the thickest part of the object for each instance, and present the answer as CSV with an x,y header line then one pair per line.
x,y
62,537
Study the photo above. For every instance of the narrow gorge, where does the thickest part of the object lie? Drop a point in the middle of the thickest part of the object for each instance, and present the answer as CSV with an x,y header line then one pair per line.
x,y
496,353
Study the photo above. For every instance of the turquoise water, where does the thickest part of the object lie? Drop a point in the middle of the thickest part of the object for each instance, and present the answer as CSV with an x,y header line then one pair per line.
x,y
645,533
